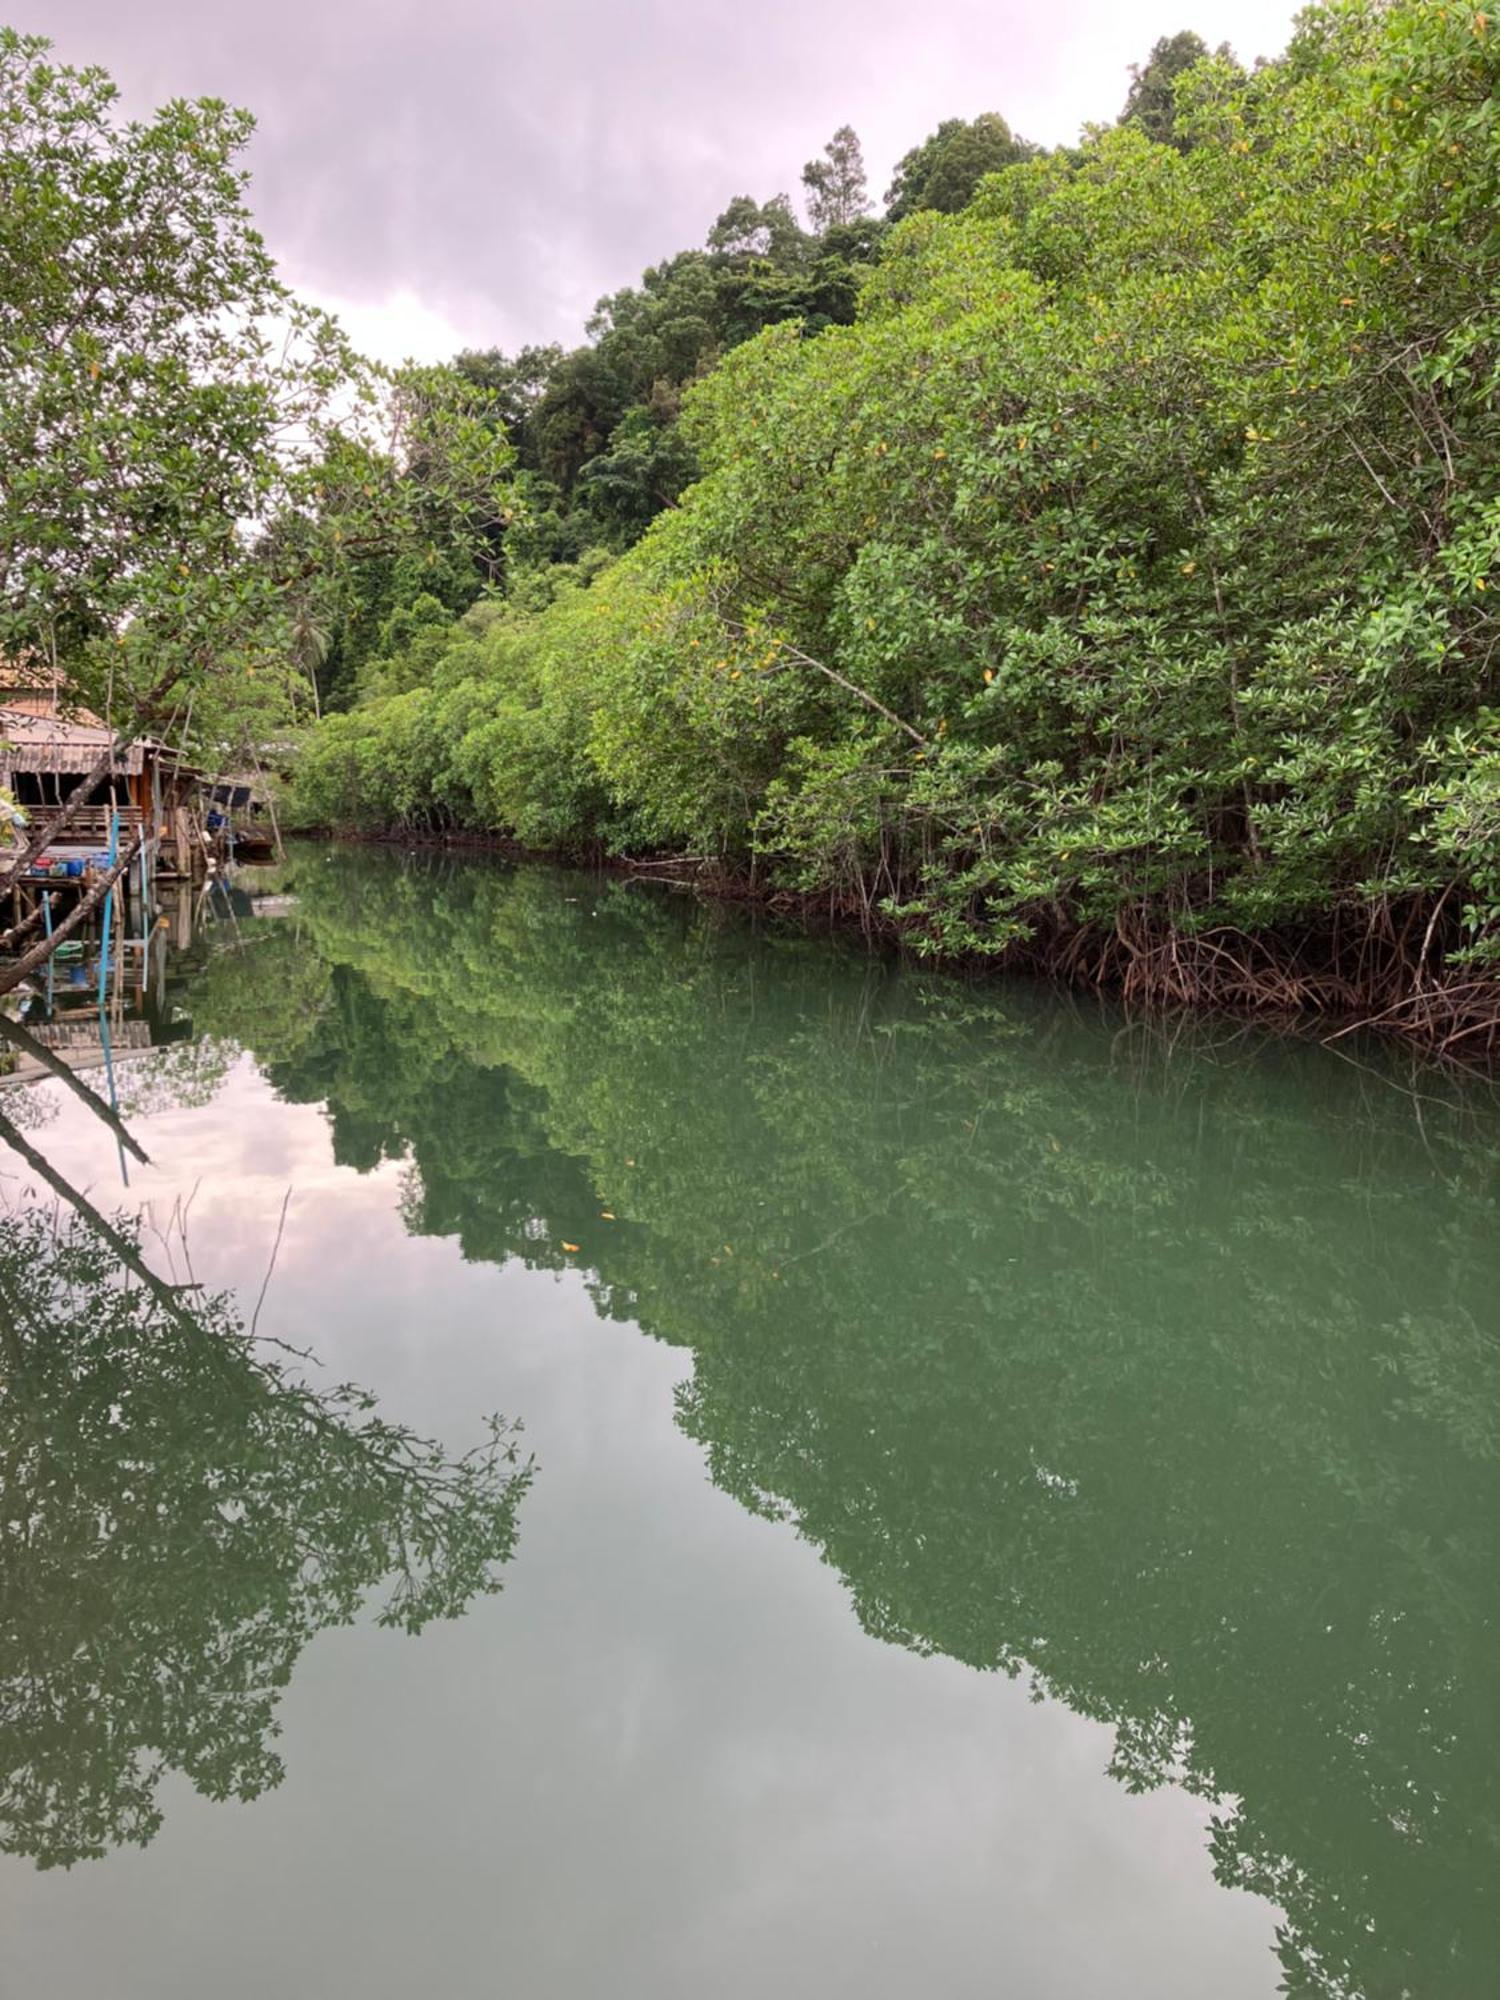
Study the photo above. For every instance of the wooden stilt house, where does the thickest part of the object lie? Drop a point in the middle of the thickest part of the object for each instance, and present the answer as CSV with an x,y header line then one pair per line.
x,y
45,756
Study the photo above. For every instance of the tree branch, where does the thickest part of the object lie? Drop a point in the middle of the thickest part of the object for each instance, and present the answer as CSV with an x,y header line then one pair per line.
x,y
21,968
53,1063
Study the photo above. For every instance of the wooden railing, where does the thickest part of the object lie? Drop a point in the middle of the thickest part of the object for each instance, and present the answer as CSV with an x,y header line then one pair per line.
x,y
90,827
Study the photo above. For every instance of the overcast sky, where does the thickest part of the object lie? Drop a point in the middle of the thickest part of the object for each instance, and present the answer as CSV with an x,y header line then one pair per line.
x,y
477,172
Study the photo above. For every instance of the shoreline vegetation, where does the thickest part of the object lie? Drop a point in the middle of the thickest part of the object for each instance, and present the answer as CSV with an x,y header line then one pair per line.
x,y
1286,1009
1090,563
1111,595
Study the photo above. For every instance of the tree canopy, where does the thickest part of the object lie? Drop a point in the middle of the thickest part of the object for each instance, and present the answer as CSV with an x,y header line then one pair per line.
x,y
1114,592
835,184
946,169
1152,101
189,456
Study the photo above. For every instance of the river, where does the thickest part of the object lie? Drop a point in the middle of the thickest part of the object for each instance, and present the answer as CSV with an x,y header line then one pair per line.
x,y
1006,1500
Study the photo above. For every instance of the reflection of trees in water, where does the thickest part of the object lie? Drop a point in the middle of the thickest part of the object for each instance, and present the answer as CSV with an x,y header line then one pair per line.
x,y
262,981
27,1107
1169,1385
140,1082
182,1076
180,1512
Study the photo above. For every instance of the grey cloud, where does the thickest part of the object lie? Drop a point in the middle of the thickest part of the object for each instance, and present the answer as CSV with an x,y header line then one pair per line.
x,y
507,164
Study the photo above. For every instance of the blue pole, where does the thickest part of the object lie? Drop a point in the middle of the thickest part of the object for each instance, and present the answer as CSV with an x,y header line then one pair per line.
x,y
109,904
109,907
47,928
114,1099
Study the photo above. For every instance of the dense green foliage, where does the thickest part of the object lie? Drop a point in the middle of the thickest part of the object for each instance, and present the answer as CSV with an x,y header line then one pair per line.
x,y
599,448
1155,1372
599,445
1152,102
190,457
944,172
1116,587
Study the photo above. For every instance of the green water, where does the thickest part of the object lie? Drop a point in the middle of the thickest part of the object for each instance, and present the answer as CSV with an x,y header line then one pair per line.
x,y
1014,1504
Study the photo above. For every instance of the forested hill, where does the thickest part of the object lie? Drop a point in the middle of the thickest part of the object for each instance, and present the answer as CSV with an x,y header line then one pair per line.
x,y
1089,560
599,446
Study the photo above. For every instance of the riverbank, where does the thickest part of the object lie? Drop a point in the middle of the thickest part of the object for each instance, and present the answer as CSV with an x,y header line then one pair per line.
x,y
1112,597
1297,985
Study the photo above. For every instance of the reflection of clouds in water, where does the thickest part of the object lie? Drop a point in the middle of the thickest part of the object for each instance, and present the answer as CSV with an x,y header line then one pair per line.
x,y
1049,1354
228,1167
152,1630
668,1761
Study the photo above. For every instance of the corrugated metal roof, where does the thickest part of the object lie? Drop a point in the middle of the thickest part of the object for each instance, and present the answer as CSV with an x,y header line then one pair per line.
x,y
30,742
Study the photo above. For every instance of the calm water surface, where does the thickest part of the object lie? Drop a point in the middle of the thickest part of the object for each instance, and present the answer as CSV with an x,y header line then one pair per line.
x,y
1012,1499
